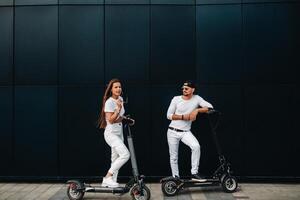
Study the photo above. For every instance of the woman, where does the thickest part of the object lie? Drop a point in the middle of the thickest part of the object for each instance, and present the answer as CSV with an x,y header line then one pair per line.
x,y
111,117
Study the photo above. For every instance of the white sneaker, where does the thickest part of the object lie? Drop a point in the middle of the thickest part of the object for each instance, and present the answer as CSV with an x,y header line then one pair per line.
x,y
109,182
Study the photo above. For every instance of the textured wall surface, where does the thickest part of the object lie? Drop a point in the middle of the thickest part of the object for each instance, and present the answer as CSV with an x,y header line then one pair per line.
x,y
56,56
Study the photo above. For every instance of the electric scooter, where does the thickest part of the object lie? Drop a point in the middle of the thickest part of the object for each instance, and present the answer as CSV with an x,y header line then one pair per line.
x,y
170,186
136,186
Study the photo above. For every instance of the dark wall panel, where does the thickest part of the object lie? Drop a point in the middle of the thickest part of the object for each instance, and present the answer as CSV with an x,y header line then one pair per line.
x,y
161,97
173,2
56,57
36,131
127,2
81,44
269,1
270,39
219,44
228,99
6,3
6,135
36,44
82,149
218,1
6,44
172,43
85,2
127,42
138,107
269,133
35,2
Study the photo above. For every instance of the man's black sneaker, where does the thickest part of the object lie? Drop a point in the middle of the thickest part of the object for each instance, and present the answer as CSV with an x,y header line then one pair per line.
x,y
197,177
177,177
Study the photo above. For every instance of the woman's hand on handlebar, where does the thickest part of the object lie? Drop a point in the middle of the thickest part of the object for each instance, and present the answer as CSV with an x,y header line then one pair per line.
x,y
129,120
132,122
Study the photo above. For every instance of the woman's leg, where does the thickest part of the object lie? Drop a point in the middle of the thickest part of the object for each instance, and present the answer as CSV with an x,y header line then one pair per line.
x,y
118,148
123,156
114,156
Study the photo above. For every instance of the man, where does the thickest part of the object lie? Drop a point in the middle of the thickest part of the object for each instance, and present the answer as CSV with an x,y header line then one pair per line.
x,y
182,111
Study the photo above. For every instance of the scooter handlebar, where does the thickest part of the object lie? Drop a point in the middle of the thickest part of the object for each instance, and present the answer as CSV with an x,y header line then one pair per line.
x,y
213,111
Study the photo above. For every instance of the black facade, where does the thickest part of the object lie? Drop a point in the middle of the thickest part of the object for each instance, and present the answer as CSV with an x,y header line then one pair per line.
x,y
56,56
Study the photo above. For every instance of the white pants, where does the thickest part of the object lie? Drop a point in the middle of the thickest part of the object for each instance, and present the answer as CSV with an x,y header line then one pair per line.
x,y
113,136
189,139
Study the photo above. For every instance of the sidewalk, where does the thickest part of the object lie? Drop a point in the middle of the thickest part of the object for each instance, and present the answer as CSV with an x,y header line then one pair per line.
x,y
49,191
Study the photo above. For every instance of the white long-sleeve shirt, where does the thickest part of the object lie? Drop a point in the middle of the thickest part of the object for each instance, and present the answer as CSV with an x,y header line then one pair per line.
x,y
179,106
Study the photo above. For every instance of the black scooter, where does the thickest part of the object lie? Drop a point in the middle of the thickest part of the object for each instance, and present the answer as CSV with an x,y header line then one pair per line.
x,y
136,186
170,186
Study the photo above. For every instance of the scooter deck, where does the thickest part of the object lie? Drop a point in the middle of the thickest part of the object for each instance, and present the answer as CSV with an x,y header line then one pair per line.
x,y
194,183
198,181
103,189
206,180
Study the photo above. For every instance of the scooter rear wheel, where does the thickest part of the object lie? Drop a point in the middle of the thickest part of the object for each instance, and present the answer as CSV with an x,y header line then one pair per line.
x,y
229,184
136,194
73,192
169,188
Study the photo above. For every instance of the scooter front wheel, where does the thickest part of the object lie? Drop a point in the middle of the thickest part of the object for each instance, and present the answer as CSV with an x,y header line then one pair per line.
x,y
136,194
169,188
73,192
229,184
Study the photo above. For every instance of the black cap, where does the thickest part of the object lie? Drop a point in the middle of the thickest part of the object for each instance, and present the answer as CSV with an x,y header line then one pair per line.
x,y
189,84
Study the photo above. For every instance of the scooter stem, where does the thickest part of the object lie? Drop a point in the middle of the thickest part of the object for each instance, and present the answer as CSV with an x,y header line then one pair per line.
x,y
135,171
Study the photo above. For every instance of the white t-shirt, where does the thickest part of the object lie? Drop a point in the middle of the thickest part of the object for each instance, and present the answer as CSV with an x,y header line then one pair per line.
x,y
179,106
111,106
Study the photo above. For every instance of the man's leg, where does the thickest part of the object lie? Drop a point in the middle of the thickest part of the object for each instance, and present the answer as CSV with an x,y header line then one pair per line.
x,y
190,140
173,142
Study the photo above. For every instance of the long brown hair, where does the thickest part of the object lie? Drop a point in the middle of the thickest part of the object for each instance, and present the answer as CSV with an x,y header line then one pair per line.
x,y
101,122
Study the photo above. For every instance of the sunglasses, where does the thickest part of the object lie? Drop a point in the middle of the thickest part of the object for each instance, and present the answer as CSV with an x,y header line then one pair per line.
x,y
184,88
